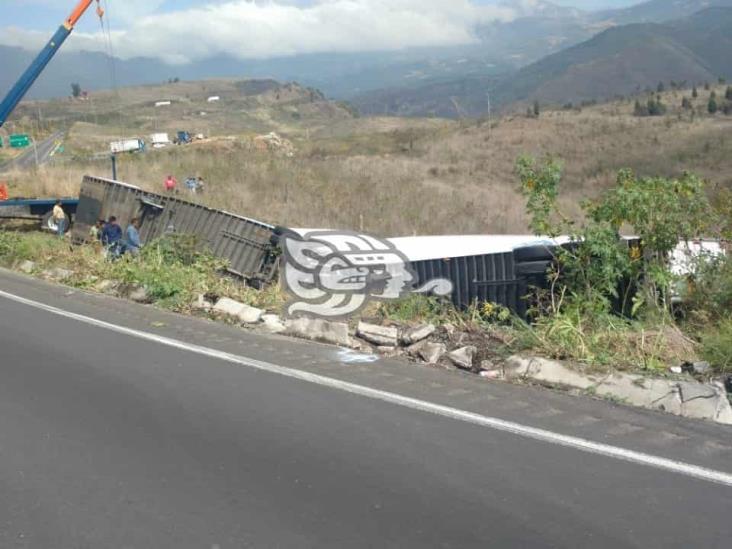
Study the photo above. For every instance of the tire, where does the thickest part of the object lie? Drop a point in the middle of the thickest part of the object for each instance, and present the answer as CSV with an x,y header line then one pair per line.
x,y
48,224
533,268
531,254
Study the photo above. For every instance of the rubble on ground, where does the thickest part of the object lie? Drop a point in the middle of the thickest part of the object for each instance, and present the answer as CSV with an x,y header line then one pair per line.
x,y
273,142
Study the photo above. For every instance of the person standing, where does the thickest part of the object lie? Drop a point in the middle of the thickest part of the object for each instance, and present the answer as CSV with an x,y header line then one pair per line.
x,y
170,184
191,184
59,218
112,238
132,237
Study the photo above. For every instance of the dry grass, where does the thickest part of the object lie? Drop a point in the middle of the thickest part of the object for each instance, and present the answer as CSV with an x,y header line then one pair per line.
x,y
405,176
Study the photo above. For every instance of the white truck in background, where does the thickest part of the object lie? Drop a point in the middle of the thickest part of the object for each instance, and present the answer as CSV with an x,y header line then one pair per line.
x,y
160,140
127,145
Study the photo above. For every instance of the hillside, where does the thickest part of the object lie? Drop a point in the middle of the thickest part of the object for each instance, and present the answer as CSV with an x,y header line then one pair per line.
x,y
658,11
584,56
629,58
538,28
387,175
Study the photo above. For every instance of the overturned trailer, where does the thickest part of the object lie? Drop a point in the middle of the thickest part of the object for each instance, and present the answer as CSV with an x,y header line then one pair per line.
x,y
243,242
480,268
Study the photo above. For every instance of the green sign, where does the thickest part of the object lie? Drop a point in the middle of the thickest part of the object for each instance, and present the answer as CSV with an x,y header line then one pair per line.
x,y
19,140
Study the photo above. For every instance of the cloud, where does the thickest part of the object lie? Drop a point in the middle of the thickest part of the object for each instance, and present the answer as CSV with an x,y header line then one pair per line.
x,y
268,28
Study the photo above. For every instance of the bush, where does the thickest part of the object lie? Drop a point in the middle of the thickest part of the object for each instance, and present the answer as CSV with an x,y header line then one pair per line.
x,y
709,289
717,346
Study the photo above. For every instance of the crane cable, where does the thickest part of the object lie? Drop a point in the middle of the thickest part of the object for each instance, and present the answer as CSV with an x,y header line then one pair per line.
x,y
107,35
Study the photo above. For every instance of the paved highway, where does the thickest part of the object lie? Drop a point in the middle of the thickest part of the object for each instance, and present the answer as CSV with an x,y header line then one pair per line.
x,y
140,434
43,149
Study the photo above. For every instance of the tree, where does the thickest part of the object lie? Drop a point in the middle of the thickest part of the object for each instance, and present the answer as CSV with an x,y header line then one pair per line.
x,y
728,93
660,88
686,104
712,106
639,109
695,93
75,89
706,86
537,109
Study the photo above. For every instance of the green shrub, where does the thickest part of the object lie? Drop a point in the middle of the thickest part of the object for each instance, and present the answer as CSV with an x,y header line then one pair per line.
x,y
418,308
717,346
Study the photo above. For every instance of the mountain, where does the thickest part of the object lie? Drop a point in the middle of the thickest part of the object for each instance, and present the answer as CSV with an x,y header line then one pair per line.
x,y
658,11
627,59
540,27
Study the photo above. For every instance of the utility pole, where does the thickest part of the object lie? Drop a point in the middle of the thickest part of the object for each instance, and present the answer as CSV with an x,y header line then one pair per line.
x,y
488,98
35,151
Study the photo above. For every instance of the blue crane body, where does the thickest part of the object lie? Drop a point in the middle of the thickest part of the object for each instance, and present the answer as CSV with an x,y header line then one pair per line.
x,y
39,209
24,83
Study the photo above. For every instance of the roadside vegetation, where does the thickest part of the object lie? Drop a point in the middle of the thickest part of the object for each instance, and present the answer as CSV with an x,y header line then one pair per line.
x,y
391,176
173,270
611,304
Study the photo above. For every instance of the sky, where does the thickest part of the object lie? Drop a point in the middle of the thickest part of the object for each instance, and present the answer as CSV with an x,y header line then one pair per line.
x,y
263,28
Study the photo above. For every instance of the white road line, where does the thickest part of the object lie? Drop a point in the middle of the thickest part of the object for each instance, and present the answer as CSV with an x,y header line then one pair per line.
x,y
623,454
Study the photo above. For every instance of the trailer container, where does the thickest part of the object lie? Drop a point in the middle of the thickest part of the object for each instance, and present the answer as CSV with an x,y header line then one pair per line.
x,y
243,242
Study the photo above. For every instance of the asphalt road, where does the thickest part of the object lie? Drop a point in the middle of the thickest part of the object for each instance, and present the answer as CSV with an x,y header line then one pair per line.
x,y
109,440
28,158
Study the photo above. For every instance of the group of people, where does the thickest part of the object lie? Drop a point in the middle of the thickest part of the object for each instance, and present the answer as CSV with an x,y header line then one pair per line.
x,y
115,241
194,185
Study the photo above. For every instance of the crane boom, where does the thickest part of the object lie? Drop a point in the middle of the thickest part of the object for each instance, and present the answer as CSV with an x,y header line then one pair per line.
x,y
21,87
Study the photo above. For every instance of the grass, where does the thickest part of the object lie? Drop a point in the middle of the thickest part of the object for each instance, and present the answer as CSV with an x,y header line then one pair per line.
x,y
169,269
391,176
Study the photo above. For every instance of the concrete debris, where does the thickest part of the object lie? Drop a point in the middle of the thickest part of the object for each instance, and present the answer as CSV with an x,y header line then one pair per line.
x,y
317,329
58,274
106,286
432,353
361,346
389,352
241,311
418,333
414,349
488,365
463,357
545,371
382,336
275,143
273,324
683,398
705,402
26,267
201,303
696,367
138,294
250,315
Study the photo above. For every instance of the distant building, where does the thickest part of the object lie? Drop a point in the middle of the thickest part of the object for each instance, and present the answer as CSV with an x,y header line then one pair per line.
x,y
213,99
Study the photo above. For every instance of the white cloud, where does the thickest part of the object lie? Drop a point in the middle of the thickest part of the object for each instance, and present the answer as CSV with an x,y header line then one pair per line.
x,y
269,28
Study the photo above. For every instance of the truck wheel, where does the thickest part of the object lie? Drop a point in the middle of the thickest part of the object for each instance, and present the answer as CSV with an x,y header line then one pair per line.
x,y
48,224
533,253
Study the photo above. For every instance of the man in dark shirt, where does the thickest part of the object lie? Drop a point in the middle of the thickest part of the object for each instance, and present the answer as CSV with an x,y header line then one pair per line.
x,y
112,237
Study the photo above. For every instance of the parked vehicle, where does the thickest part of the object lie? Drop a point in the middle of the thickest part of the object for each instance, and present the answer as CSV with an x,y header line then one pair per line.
x,y
159,140
37,209
127,145
183,138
